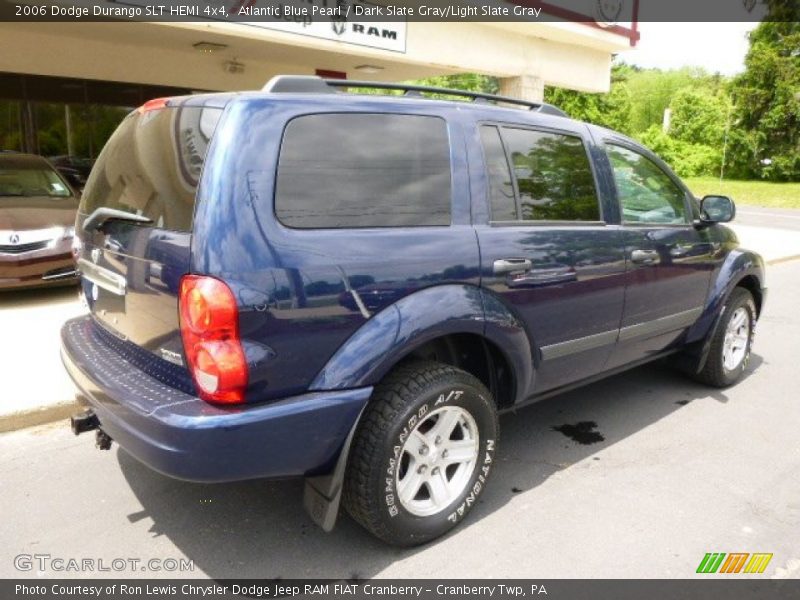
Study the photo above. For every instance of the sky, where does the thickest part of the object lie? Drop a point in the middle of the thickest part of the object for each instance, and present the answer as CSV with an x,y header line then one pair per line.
x,y
717,47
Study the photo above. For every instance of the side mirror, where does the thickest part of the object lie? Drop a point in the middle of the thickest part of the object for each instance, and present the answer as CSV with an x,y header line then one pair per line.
x,y
717,209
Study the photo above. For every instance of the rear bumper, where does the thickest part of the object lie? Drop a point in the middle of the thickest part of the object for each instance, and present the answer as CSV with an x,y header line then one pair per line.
x,y
184,437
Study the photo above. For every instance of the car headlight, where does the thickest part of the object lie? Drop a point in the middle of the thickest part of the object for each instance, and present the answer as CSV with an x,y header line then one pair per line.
x,y
76,247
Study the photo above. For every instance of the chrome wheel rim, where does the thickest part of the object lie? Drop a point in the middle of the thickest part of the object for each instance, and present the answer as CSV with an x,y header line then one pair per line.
x,y
737,336
437,461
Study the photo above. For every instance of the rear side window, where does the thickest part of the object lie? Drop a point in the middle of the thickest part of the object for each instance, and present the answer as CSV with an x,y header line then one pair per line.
x,y
364,170
501,189
553,175
151,165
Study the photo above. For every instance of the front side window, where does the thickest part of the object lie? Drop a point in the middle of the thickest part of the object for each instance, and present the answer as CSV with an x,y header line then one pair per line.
x,y
364,170
553,174
646,193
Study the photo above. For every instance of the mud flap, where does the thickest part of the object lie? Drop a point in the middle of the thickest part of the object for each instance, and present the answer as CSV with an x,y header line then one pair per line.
x,y
692,358
323,494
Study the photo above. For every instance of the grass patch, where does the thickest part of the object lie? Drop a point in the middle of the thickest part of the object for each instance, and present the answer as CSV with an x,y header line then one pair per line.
x,y
753,193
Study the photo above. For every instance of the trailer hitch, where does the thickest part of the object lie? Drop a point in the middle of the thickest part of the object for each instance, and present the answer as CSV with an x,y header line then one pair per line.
x,y
102,440
88,421
83,422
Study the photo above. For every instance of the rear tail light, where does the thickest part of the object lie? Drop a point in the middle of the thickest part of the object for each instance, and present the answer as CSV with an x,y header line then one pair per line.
x,y
154,104
209,319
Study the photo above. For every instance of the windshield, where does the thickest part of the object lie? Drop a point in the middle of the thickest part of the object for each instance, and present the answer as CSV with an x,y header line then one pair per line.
x,y
34,181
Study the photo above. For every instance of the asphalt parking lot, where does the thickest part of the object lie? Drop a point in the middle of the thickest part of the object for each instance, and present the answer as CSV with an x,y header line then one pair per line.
x,y
636,476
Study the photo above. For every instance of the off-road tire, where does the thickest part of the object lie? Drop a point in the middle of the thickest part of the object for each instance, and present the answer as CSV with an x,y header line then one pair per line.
x,y
398,403
714,372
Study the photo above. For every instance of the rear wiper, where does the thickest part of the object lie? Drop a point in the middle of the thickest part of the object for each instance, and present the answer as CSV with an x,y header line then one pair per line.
x,y
99,217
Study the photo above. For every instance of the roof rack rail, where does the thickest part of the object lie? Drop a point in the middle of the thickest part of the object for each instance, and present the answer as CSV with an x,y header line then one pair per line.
x,y
312,84
297,84
542,107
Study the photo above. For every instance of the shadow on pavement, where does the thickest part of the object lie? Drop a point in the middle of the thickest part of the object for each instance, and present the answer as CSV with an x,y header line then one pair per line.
x,y
258,529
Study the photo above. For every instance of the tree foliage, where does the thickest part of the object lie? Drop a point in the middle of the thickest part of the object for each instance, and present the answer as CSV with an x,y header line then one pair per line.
x,y
693,145
699,117
472,82
92,125
687,158
756,114
654,89
612,110
638,97
766,143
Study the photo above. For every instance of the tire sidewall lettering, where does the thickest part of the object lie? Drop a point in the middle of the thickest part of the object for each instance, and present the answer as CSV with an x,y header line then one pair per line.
x,y
478,485
480,475
751,313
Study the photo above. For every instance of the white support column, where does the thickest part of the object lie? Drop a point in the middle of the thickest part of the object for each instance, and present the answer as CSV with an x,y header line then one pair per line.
x,y
523,87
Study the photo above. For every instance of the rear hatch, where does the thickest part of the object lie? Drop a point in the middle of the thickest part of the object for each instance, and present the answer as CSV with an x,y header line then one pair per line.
x,y
131,265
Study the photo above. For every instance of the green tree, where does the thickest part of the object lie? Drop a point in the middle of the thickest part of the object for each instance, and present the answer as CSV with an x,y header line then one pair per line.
x,y
10,127
610,110
471,82
693,145
699,117
637,98
652,90
687,159
767,108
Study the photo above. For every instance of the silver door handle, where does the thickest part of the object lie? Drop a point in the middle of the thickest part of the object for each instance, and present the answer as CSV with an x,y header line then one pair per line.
x,y
645,257
511,265
681,250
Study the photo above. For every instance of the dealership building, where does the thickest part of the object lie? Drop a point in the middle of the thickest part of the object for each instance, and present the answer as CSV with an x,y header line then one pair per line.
x,y
57,79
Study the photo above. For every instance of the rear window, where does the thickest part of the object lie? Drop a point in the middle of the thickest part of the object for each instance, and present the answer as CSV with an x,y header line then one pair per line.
x,y
151,165
364,170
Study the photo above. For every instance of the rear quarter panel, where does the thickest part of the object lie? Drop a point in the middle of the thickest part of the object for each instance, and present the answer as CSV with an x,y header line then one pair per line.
x,y
293,285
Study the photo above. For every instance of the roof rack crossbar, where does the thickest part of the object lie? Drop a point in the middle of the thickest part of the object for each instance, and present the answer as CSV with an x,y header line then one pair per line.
x,y
542,107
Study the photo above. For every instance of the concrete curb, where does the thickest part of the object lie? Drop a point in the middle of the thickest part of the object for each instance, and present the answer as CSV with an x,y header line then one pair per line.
x,y
38,416
783,259
64,410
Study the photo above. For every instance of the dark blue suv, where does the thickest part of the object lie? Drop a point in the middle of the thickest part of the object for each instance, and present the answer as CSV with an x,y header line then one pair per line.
x,y
302,282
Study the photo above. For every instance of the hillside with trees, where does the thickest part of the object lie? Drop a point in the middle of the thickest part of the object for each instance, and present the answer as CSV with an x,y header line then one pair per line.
x,y
745,127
